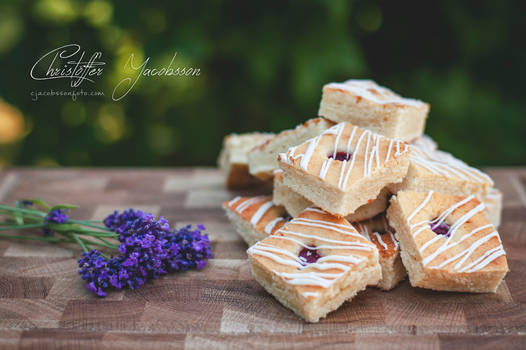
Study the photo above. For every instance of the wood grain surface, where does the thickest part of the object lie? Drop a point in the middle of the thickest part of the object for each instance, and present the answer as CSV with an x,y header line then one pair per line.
x,y
43,302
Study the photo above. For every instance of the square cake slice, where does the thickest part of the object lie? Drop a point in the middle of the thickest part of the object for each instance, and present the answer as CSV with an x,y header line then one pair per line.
x,y
263,159
314,263
493,203
344,168
447,243
295,203
254,218
368,105
440,171
233,159
378,231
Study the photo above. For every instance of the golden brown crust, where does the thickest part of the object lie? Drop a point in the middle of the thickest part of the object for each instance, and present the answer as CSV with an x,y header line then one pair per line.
x,y
263,216
347,264
470,257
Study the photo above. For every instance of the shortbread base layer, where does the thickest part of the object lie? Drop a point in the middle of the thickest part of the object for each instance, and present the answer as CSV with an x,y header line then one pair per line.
x,y
402,123
244,229
295,203
336,201
311,309
437,279
393,271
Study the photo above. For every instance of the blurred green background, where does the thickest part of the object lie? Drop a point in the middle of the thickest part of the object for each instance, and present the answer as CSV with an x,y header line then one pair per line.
x,y
262,66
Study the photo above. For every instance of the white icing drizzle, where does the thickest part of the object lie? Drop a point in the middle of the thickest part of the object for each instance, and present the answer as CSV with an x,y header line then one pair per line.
x,y
362,88
340,127
327,225
367,144
321,246
450,242
444,164
308,154
260,212
395,241
382,243
342,182
422,205
310,294
270,226
234,201
246,204
389,150
354,245
495,254
364,231
313,274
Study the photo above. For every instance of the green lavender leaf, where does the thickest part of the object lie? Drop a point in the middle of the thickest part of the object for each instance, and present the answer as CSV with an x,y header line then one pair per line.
x,y
64,206
40,203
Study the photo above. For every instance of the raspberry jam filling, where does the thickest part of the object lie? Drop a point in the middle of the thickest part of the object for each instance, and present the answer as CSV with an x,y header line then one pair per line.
x,y
341,156
308,256
440,229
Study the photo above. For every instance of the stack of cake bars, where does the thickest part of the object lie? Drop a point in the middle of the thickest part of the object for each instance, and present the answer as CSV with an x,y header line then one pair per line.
x,y
361,197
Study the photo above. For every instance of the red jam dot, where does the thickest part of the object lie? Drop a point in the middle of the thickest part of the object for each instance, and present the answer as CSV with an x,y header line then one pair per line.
x,y
341,156
308,256
442,229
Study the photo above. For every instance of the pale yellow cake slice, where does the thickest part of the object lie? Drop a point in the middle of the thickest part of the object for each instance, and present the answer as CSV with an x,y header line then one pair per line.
x,y
344,168
447,243
368,105
314,263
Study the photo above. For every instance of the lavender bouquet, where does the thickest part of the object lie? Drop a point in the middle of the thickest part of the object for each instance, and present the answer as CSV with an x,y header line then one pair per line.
x,y
147,247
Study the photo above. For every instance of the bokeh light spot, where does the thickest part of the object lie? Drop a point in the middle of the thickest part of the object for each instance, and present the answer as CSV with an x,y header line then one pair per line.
x,y
56,11
11,28
11,124
98,13
110,124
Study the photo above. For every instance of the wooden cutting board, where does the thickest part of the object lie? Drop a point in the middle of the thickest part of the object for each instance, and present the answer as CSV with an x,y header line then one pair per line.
x,y
43,303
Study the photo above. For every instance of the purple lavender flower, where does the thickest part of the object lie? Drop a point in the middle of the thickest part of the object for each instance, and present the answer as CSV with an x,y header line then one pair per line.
x,y
57,216
189,248
115,220
148,250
